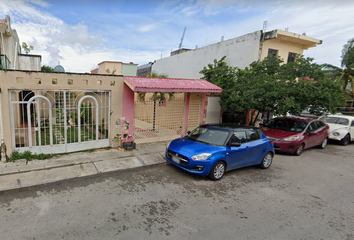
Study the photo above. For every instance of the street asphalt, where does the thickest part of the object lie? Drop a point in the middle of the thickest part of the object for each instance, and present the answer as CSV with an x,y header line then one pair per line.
x,y
25,174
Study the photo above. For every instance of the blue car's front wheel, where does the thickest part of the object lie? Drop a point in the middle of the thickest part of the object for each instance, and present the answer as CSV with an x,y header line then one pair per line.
x,y
267,160
217,171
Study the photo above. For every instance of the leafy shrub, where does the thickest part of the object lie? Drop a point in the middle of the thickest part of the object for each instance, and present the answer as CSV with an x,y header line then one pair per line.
x,y
28,155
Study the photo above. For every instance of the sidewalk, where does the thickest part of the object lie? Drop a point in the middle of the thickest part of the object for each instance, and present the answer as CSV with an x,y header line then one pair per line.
x,y
22,174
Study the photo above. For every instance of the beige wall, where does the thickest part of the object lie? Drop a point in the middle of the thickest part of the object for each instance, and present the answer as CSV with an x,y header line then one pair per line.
x,y
115,67
44,81
283,48
12,49
286,42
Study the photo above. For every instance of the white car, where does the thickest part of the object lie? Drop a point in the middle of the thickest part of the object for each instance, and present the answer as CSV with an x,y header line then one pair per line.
x,y
341,128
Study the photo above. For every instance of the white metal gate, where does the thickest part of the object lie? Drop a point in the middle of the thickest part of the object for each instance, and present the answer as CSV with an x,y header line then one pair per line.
x,y
58,121
158,120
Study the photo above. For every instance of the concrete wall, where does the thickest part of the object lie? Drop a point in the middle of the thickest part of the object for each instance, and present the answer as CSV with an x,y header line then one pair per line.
x,y
129,69
240,52
54,81
113,67
29,62
12,49
144,70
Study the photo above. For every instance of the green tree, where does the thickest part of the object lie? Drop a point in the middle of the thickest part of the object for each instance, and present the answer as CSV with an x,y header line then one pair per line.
x,y
345,74
27,48
156,96
274,87
157,75
45,68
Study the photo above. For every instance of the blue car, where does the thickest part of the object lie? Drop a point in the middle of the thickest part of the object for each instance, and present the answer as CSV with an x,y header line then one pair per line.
x,y
211,150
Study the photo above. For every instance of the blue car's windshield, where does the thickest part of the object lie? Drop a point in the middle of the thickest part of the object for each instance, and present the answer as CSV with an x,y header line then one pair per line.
x,y
208,136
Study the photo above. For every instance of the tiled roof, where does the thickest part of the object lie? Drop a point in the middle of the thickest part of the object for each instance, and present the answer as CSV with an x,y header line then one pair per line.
x,y
2,21
149,84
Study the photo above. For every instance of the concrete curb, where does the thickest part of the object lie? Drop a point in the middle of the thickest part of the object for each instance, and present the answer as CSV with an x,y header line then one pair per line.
x,y
23,174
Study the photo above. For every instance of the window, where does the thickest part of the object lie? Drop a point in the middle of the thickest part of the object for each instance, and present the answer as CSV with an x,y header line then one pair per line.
x,y
209,136
319,125
313,127
241,136
273,52
252,135
286,125
352,124
291,57
343,121
336,120
234,139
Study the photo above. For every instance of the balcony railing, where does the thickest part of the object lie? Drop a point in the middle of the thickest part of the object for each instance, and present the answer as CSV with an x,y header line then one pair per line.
x,y
4,62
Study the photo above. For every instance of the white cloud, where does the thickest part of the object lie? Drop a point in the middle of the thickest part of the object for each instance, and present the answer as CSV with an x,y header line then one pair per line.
x,y
77,34
147,28
142,37
39,3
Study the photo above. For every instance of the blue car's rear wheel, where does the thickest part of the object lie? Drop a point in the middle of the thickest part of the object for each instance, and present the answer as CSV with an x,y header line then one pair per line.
x,y
217,171
267,160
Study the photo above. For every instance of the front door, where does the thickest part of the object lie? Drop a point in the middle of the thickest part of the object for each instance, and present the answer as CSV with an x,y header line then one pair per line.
x,y
59,121
238,156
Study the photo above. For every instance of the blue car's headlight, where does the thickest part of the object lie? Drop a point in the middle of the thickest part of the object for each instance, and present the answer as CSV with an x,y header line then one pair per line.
x,y
201,157
168,144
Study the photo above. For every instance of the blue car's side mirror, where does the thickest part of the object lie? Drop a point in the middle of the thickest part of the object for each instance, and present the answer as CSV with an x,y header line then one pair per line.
x,y
235,144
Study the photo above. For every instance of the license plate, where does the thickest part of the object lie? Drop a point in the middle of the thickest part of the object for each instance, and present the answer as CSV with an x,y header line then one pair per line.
x,y
176,159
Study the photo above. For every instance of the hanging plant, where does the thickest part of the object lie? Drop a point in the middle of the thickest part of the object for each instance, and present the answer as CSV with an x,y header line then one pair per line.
x,y
141,96
158,97
171,96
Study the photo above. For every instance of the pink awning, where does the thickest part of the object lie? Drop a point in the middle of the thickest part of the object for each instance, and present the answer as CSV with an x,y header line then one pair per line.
x,y
149,84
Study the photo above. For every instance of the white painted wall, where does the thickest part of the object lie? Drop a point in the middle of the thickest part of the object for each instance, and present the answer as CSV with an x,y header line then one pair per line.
x,y
240,52
213,110
12,50
29,62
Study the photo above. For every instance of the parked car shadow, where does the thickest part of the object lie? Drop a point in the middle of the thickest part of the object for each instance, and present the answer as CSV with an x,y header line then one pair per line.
x,y
189,176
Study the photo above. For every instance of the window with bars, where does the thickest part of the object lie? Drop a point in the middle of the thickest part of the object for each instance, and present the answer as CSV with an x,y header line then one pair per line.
x,y
291,57
273,52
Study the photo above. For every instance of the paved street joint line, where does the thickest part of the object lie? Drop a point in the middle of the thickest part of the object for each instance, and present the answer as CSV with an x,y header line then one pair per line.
x,y
95,167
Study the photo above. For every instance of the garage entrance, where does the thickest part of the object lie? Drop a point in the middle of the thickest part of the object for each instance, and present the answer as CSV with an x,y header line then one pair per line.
x,y
165,119
158,121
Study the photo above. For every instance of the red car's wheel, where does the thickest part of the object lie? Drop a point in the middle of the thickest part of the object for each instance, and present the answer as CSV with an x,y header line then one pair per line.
x,y
299,149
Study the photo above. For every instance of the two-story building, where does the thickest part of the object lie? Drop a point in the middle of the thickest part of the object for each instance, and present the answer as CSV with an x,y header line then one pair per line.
x,y
10,50
239,51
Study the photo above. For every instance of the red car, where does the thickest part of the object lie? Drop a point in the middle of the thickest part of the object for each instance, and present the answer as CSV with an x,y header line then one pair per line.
x,y
295,134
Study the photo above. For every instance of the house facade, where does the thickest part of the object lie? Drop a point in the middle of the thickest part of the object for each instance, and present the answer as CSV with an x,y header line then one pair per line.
x,y
10,50
58,112
66,112
240,52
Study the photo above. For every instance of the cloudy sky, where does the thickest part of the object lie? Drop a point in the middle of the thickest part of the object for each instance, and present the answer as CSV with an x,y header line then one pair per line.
x,y
82,33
